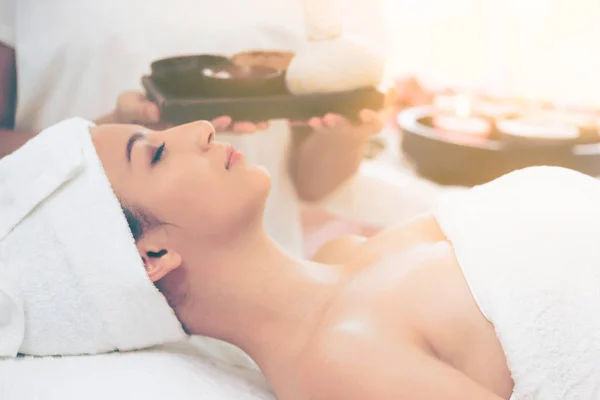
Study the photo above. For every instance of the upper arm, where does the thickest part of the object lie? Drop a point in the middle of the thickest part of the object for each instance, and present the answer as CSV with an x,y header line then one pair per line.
x,y
299,134
8,86
352,371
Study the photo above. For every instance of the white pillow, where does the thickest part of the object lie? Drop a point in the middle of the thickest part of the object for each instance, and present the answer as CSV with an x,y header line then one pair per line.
x,y
175,373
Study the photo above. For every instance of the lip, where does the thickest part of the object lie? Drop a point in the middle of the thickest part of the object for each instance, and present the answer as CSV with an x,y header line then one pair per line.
x,y
232,156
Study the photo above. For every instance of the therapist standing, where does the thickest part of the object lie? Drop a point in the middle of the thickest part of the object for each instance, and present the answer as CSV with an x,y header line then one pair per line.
x,y
85,58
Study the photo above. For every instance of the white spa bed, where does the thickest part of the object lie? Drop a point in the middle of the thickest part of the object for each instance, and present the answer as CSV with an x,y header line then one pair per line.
x,y
170,373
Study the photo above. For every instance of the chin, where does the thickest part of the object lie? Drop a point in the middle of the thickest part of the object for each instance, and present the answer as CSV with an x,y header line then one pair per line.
x,y
261,170
262,178
254,190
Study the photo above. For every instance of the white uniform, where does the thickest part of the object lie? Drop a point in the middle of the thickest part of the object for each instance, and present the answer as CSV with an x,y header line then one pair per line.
x,y
74,57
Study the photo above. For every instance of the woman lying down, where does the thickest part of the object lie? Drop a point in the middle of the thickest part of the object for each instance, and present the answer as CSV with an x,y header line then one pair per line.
x,y
492,296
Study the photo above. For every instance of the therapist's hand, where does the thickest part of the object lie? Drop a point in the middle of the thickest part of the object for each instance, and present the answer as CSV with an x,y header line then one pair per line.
x,y
334,144
134,108
223,124
370,123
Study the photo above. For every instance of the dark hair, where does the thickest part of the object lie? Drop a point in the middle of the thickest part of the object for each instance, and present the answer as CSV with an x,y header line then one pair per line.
x,y
139,220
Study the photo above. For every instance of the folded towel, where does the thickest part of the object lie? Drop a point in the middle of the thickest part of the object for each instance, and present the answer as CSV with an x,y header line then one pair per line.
x,y
71,278
527,244
162,373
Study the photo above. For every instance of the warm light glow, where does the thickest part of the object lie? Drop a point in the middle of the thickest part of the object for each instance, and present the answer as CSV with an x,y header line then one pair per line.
x,y
463,106
533,49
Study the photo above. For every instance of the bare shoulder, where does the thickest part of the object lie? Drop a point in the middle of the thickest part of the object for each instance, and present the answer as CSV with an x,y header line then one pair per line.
x,y
351,366
338,250
328,363
375,342
359,251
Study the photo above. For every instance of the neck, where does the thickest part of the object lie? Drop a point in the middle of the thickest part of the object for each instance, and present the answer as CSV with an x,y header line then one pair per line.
x,y
258,297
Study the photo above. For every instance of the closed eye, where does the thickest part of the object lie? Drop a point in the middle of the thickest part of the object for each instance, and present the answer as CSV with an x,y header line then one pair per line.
x,y
158,154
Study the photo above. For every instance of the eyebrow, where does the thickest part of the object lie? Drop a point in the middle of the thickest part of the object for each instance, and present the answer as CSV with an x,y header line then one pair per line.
x,y
132,139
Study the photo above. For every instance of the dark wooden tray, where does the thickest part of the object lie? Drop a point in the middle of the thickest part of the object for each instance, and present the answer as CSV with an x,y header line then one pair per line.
x,y
180,110
452,163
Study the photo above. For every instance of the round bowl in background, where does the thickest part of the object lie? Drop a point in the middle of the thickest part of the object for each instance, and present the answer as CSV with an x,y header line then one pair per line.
x,y
532,132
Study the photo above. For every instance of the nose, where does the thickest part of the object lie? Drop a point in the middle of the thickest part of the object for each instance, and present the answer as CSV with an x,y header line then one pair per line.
x,y
195,135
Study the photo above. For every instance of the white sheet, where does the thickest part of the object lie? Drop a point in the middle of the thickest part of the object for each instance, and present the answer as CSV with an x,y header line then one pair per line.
x,y
168,373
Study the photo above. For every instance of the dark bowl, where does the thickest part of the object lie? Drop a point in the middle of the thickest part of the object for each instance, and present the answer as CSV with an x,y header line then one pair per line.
x,y
243,81
448,162
551,140
182,76
186,63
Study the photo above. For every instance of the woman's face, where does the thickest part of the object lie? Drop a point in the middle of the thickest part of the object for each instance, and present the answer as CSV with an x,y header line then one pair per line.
x,y
198,188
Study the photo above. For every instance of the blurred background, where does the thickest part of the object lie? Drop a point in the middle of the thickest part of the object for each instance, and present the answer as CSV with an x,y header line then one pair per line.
x,y
538,51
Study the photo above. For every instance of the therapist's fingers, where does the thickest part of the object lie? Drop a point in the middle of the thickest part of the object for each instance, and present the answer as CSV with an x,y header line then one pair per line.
x,y
336,121
221,124
134,107
244,127
315,123
372,120
225,124
160,127
261,126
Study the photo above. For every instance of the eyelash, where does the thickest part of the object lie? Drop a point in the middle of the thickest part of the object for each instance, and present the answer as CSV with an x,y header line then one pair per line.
x,y
158,154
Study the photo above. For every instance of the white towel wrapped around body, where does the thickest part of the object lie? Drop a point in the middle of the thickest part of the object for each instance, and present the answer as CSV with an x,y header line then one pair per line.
x,y
529,247
71,278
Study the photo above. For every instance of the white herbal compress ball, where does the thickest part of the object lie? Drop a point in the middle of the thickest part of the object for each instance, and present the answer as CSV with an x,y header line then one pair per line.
x,y
331,61
333,66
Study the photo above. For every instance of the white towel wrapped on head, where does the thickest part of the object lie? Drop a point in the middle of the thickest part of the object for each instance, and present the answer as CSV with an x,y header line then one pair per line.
x,y
71,279
529,247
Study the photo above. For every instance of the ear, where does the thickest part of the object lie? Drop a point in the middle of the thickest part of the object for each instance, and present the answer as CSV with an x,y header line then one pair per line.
x,y
158,258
